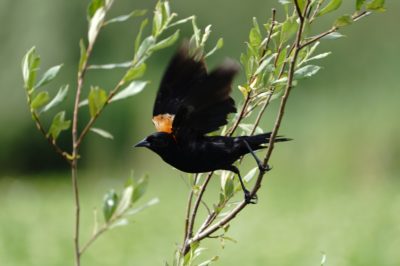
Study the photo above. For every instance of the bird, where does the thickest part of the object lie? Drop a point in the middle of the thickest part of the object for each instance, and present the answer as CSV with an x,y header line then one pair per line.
x,y
190,104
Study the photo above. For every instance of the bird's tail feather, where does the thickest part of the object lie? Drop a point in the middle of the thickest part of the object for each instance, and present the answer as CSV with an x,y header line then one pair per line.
x,y
256,142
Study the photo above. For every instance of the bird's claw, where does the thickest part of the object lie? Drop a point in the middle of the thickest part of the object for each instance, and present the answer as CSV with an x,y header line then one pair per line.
x,y
250,199
266,168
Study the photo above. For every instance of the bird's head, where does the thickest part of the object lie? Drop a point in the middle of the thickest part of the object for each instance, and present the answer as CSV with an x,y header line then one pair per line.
x,y
157,142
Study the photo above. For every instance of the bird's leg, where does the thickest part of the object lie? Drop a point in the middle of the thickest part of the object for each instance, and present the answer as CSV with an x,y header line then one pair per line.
x,y
247,197
260,165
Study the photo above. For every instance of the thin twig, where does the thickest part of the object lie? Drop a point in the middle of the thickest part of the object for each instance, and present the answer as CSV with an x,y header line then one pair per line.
x,y
240,117
188,210
298,10
197,204
355,18
108,225
318,37
316,10
93,238
271,29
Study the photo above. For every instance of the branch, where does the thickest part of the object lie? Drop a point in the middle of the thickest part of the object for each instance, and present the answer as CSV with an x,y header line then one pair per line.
x,y
213,215
355,18
316,11
207,232
188,210
75,149
240,117
93,238
298,10
318,37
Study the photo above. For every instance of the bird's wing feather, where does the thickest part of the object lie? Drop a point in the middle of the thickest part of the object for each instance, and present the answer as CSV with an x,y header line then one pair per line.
x,y
190,101
182,75
206,108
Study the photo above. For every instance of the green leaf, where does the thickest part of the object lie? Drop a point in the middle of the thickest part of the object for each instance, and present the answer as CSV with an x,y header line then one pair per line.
x,y
144,48
265,65
206,35
343,21
280,81
93,6
134,13
317,57
139,188
280,61
250,175
323,259
166,10
333,36
59,124
95,24
140,33
182,21
157,19
255,37
376,5
218,46
83,56
196,33
132,89
331,6
302,4
97,98
135,72
166,42
102,133
48,76
289,29
210,261
60,97
359,4
110,203
111,66
229,187
119,222
125,201
41,99
285,2
148,204
306,71
30,66
245,91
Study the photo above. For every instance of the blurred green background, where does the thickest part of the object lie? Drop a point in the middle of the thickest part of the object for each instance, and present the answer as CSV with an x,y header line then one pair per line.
x,y
333,190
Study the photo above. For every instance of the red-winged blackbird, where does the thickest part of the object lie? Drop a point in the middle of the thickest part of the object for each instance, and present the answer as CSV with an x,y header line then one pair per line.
x,y
191,103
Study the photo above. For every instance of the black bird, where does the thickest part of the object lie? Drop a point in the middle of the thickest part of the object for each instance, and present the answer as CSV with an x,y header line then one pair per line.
x,y
191,103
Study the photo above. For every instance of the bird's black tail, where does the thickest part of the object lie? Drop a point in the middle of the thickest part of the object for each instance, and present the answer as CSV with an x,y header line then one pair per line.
x,y
258,141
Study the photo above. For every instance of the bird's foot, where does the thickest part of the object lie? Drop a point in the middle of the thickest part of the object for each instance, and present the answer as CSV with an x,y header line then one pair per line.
x,y
248,199
266,168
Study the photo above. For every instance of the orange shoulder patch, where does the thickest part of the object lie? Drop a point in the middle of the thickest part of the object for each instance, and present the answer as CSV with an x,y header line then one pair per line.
x,y
163,122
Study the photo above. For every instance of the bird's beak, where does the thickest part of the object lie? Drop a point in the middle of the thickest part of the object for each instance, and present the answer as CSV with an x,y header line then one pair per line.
x,y
143,143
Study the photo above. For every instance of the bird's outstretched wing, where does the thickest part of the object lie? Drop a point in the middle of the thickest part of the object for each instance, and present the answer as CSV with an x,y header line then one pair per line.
x,y
190,101
182,75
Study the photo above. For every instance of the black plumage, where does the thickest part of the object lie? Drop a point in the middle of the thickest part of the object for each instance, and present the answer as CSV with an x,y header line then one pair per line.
x,y
191,103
